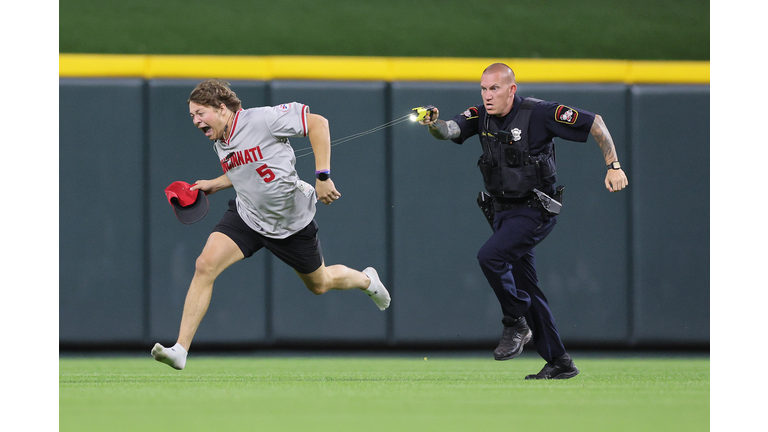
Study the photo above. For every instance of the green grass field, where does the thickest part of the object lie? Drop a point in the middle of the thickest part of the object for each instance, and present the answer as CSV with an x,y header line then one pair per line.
x,y
599,29
380,393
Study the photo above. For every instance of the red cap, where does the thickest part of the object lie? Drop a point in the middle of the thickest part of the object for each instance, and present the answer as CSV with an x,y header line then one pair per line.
x,y
189,205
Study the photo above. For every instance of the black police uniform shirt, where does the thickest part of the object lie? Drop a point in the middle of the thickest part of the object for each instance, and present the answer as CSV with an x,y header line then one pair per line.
x,y
548,120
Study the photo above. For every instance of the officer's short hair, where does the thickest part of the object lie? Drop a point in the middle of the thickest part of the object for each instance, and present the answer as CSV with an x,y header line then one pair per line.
x,y
494,68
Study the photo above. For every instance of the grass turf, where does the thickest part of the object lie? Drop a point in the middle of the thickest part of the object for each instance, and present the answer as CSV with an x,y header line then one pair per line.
x,y
604,29
375,393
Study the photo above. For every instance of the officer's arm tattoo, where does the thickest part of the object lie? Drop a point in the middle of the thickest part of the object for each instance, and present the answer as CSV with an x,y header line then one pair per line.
x,y
603,137
444,130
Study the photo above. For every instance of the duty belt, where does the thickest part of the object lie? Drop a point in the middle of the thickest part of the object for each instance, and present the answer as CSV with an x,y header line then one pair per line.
x,y
499,204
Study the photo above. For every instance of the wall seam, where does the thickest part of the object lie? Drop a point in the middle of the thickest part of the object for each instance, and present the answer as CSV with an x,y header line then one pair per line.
x,y
631,338
269,280
389,212
146,217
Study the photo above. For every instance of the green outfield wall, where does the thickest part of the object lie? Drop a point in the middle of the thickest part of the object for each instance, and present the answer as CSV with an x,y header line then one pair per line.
x,y
629,269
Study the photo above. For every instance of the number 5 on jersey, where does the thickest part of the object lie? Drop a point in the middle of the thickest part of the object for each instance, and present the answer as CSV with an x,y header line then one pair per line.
x,y
267,174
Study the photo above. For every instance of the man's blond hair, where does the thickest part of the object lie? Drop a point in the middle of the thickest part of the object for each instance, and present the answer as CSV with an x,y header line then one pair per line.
x,y
213,93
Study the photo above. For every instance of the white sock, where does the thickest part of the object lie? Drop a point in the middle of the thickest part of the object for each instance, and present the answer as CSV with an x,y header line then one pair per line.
x,y
175,356
376,289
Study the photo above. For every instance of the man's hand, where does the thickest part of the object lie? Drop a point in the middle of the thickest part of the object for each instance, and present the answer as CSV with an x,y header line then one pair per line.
x,y
431,117
438,128
616,180
326,191
212,186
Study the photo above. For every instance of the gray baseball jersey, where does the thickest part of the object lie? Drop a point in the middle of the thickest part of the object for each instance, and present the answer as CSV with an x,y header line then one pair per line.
x,y
259,161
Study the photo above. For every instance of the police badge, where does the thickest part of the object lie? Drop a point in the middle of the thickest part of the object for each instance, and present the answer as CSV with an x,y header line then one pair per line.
x,y
470,113
516,134
567,115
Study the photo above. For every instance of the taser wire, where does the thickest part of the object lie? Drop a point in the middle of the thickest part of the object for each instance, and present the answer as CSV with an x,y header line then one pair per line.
x,y
354,136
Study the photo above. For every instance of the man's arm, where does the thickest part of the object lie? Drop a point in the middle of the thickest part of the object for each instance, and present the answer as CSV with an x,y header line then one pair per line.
x,y
615,179
319,133
440,129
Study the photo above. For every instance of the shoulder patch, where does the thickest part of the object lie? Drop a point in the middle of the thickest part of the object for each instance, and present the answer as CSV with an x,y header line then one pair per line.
x,y
284,107
470,113
567,115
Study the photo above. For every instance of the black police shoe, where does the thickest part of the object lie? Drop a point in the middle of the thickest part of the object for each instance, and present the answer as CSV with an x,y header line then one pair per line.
x,y
516,334
559,368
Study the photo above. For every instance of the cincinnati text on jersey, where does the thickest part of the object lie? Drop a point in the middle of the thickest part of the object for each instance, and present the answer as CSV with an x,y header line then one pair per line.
x,y
237,158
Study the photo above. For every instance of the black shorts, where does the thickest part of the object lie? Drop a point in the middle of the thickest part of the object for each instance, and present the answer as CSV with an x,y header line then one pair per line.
x,y
301,250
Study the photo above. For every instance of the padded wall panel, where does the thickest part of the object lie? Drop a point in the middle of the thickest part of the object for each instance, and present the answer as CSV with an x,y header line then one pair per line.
x,y
670,135
353,229
583,265
442,296
179,151
101,229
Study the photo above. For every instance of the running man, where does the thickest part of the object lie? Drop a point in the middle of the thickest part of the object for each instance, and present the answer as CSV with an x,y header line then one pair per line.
x,y
274,208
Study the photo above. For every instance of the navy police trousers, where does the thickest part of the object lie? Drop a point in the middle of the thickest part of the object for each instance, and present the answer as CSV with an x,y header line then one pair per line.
x,y
508,262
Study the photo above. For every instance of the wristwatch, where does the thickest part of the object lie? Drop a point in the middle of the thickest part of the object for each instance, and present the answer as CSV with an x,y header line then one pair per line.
x,y
322,175
614,165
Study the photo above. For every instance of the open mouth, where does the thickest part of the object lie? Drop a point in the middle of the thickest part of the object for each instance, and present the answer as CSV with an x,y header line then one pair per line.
x,y
205,129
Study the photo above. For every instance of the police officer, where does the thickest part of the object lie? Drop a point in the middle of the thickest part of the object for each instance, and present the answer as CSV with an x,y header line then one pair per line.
x,y
518,168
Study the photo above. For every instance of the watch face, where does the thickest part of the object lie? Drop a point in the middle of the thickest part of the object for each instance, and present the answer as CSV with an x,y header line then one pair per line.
x,y
323,176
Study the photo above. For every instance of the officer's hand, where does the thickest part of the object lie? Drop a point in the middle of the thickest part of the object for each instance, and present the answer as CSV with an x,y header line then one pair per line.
x,y
616,180
326,191
431,117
